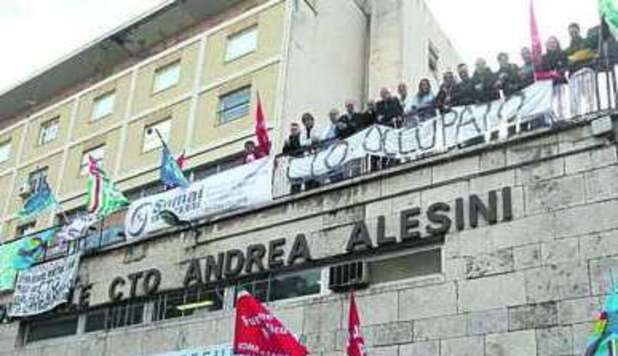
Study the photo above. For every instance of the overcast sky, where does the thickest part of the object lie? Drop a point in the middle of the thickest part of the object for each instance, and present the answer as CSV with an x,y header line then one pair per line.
x,y
35,33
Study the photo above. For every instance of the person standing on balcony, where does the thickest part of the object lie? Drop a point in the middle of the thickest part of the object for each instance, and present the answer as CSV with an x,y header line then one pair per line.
x,y
484,82
526,72
463,92
580,51
354,118
388,109
423,103
293,148
250,153
310,137
405,100
508,75
555,60
444,99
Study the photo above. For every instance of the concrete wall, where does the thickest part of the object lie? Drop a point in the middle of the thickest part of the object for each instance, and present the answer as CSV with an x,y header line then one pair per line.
x,y
326,60
528,287
400,35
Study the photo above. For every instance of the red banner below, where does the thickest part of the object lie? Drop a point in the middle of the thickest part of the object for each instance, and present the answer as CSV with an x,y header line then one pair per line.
x,y
259,333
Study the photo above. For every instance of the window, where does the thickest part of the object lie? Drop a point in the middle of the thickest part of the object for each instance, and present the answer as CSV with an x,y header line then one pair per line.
x,y
36,178
5,151
42,330
116,316
241,43
97,153
103,106
234,105
49,131
433,57
166,77
285,286
186,302
25,230
151,138
404,267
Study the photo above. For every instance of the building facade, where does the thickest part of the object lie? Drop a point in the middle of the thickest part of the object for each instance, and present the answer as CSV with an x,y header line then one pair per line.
x,y
504,247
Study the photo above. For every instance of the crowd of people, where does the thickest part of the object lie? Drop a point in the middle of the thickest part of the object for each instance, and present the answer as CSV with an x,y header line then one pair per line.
x,y
405,109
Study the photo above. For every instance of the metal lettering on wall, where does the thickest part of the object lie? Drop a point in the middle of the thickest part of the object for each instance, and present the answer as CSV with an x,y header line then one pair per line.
x,y
279,253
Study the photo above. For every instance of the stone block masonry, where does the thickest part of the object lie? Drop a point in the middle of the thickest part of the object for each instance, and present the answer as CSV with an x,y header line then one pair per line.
x,y
527,286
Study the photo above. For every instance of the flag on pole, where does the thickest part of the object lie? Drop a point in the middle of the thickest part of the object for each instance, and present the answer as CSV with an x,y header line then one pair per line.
x,y
261,131
103,197
32,249
171,170
39,202
609,12
78,227
356,342
258,332
536,47
605,331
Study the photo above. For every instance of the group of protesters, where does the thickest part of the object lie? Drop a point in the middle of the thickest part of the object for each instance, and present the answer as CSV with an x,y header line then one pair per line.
x,y
404,109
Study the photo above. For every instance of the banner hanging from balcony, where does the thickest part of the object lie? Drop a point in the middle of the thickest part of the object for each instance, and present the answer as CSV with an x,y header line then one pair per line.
x,y
236,189
8,273
433,136
219,350
43,287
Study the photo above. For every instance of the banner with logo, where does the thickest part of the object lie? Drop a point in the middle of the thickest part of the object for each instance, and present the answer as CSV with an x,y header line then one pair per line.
x,y
433,136
258,332
219,350
8,273
43,287
77,228
236,189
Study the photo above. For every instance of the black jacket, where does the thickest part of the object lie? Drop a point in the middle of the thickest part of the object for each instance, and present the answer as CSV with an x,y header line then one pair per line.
x,y
486,79
387,110
510,79
463,93
292,146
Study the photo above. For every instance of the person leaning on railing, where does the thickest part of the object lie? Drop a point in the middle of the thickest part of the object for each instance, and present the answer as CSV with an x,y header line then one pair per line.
x,y
507,75
484,82
463,92
293,148
581,51
423,104
444,99
388,110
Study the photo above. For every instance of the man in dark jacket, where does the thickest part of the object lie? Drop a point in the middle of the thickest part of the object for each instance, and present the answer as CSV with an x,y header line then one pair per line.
x,y
484,82
292,146
463,92
527,69
356,120
444,99
388,109
508,75
580,51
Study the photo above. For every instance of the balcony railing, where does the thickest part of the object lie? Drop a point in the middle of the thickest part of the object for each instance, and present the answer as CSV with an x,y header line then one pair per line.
x,y
588,93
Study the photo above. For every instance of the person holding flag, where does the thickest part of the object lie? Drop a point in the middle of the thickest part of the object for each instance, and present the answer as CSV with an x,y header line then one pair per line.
x,y
103,198
264,145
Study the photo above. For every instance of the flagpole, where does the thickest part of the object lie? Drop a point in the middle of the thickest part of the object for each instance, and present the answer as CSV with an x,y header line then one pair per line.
x,y
161,138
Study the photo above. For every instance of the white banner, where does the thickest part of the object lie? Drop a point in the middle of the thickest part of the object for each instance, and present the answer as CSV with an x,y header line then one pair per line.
x,y
433,136
219,350
43,287
77,228
239,188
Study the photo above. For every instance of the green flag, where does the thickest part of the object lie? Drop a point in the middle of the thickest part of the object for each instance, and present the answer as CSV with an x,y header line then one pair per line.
x,y
103,196
609,11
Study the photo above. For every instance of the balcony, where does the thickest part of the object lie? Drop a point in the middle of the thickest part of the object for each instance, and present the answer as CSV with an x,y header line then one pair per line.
x,y
589,94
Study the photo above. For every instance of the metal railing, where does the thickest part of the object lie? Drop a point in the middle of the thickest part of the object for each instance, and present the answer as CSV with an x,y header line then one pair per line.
x,y
588,92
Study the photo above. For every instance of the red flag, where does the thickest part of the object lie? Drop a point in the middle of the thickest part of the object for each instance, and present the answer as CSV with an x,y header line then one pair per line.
x,y
356,342
261,131
258,332
537,46
182,160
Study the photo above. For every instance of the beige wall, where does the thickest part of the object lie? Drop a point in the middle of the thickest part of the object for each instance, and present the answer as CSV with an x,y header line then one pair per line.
x,y
14,135
84,125
209,133
72,182
32,149
270,34
133,158
146,99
